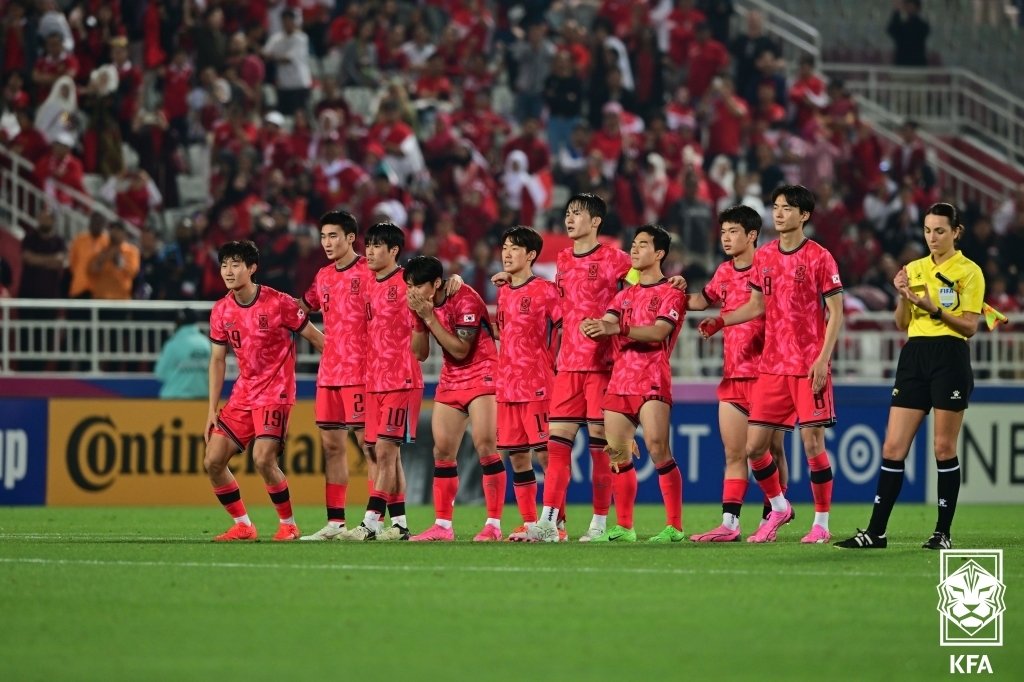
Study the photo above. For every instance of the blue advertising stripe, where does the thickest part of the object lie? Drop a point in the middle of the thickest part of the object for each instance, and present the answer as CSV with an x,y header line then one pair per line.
x,y
855,445
23,443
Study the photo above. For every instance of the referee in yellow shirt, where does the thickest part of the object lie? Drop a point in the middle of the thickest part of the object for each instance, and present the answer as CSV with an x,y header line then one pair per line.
x,y
940,300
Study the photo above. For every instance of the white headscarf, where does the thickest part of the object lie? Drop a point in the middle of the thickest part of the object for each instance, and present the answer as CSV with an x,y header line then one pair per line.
x,y
623,61
57,113
516,178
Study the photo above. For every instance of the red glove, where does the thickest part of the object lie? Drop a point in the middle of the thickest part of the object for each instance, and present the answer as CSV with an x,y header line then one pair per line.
x,y
710,326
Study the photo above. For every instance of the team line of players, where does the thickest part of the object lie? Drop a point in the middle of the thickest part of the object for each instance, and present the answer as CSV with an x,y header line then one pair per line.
x,y
611,318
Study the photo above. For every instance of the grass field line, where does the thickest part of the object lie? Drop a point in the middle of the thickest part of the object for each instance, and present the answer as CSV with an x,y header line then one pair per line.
x,y
404,568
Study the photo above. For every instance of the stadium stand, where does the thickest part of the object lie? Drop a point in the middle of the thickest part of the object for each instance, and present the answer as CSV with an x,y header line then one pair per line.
x,y
192,123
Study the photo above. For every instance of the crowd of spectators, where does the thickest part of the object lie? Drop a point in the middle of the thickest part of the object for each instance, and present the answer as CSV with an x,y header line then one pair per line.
x,y
453,119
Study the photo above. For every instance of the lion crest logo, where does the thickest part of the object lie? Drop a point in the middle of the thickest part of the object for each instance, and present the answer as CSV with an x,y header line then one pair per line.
x,y
970,598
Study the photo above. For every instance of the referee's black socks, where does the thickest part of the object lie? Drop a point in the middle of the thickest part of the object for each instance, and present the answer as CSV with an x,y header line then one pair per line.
x,y
948,492
890,481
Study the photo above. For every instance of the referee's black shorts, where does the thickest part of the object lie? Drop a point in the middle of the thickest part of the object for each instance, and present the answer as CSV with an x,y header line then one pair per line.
x,y
934,371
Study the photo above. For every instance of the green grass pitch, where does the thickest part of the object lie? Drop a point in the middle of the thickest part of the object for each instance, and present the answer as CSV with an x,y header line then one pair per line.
x,y
142,594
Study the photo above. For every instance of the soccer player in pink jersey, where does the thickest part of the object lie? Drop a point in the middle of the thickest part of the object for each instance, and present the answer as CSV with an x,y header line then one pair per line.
x,y
465,392
258,322
729,288
793,281
394,384
338,291
643,322
588,276
529,322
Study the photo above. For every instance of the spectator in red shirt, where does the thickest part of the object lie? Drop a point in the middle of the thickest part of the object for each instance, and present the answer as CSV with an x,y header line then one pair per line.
x,y
396,137
908,157
706,59
389,55
244,69
275,147
452,248
54,63
336,179
830,217
682,28
14,55
344,26
92,34
767,115
177,79
28,141
60,169
133,195
807,94
727,116
866,160
129,84
478,209
478,123
666,143
608,141
234,133
452,51
530,143
433,84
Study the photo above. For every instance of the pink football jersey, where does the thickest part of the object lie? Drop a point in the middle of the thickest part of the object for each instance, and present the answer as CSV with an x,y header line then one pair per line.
x,y
528,317
466,310
730,288
340,295
586,284
795,285
642,367
261,336
390,363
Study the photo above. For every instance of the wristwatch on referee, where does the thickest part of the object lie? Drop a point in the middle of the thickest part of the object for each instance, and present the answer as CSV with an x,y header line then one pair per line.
x,y
937,315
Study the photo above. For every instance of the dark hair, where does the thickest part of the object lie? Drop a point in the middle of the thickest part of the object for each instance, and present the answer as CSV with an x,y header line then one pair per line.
x,y
526,237
662,240
346,220
806,59
186,316
243,250
745,216
589,202
388,234
949,212
423,269
796,195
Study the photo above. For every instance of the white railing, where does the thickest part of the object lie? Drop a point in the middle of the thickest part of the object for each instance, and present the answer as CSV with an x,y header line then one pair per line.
x,y
795,34
960,176
20,199
951,100
112,338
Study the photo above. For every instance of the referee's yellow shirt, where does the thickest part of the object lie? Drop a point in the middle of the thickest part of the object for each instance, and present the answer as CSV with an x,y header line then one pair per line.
x,y
966,295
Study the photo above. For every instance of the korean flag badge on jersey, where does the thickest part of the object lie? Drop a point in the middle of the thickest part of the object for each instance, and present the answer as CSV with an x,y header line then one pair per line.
x,y
469,318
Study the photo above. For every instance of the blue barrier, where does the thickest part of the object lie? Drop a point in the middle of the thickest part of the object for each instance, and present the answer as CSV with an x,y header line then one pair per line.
x,y
23,443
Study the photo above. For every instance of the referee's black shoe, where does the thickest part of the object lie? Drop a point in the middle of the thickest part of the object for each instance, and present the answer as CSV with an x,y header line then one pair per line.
x,y
864,539
938,541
